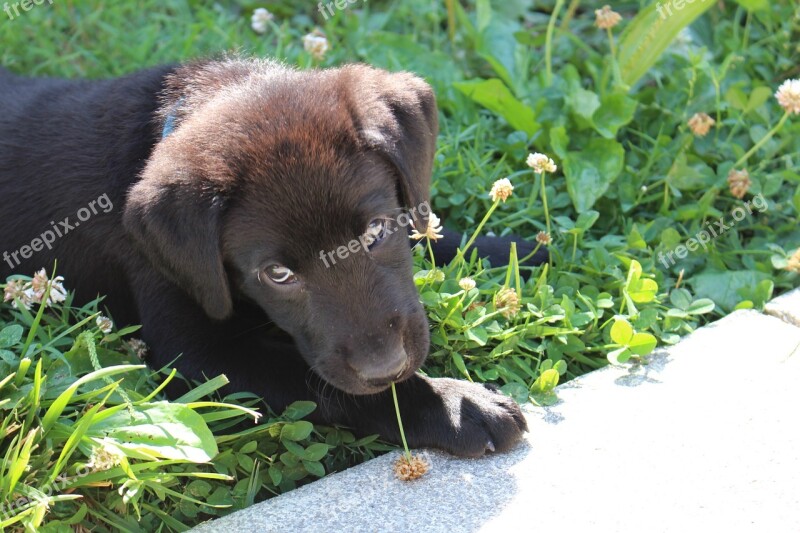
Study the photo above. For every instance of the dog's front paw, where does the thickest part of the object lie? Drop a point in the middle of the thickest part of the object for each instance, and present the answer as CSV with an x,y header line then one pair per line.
x,y
470,420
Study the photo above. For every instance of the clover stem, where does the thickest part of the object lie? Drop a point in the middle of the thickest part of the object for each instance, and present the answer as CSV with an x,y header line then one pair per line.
x,y
548,43
544,203
763,141
400,423
461,251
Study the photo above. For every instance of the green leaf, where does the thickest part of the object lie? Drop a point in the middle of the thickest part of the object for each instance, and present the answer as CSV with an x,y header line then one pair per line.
x,y
314,468
275,475
157,430
559,142
642,344
586,220
299,409
249,447
498,45
736,98
495,96
616,111
60,403
650,33
621,331
478,335
796,199
583,103
644,291
458,360
701,307
723,287
590,172
546,382
316,451
518,391
758,97
10,335
681,298
619,356
753,5
297,430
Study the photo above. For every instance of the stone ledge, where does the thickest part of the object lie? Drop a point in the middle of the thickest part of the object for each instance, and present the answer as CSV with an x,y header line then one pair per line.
x,y
701,438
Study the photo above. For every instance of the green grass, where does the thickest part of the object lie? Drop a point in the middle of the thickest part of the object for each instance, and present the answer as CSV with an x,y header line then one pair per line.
x,y
633,184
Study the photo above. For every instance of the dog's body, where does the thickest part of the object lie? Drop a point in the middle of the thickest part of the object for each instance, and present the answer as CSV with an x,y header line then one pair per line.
x,y
222,183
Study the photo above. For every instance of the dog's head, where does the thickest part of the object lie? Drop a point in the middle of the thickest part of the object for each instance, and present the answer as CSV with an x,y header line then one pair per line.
x,y
288,189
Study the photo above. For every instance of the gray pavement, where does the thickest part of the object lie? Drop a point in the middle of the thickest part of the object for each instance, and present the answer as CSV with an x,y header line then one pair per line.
x,y
703,438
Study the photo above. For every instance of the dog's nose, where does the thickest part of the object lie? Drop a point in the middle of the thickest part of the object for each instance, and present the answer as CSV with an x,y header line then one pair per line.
x,y
386,369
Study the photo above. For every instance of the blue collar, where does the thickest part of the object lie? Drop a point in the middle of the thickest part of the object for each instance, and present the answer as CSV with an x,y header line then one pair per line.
x,y
169,123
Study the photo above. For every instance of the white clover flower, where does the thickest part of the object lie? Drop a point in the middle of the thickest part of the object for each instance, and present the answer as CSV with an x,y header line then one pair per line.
x,y
316,44
104,457
105,324
541,163
260,20
788,96
501,190
432,232
467,284
33,292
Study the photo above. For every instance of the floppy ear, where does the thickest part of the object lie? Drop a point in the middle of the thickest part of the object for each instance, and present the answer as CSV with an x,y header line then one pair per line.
x,y
173,213
399,118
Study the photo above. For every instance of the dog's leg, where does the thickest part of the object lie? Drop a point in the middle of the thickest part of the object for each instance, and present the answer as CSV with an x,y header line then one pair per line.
x,y
496,249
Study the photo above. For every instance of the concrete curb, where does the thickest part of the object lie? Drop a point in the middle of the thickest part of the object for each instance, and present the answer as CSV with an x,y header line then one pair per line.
x,y
701,438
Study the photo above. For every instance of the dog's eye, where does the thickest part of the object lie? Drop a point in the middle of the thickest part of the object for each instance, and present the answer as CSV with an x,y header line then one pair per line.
x,y
280,274
376,231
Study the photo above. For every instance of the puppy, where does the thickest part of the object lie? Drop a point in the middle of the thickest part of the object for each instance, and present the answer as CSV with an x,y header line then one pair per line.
x,y
228,181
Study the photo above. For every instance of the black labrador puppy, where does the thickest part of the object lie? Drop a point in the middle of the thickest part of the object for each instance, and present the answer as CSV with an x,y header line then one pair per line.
x,y
227,192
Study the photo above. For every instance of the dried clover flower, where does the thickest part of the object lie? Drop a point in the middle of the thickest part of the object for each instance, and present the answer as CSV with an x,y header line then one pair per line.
x,y
16,292
788,96
316,44
701,124
544,238
507,302
541,163
794,262
606,18
138,347
739,182
501,190
409,469
432,232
